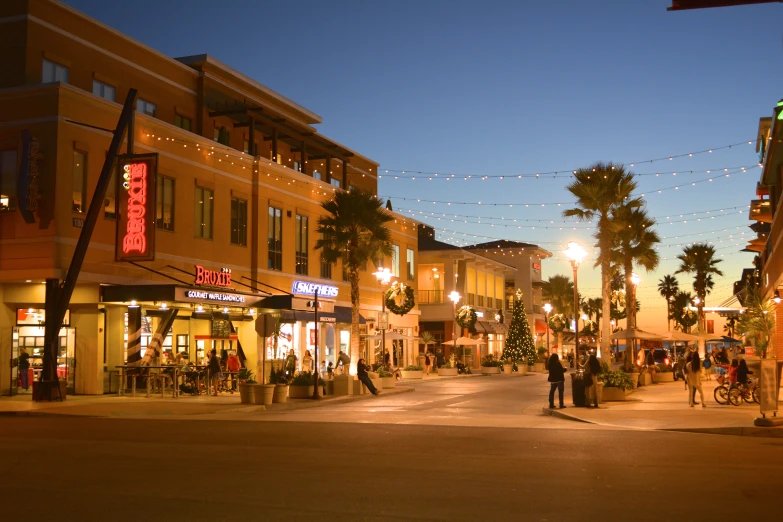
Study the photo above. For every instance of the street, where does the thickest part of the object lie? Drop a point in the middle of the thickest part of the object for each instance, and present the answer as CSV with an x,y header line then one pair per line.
x,y
435,454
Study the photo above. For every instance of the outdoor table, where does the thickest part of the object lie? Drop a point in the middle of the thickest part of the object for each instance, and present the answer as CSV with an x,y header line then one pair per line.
x,y
122,372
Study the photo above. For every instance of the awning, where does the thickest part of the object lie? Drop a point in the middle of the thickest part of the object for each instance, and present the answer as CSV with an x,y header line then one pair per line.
x,y
540,326
341,314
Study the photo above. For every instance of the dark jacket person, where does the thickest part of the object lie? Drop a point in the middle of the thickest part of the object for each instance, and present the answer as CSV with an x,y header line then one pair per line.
x,y
556,380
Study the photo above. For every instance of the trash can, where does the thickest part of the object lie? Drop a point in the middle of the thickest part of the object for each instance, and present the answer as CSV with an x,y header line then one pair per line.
x,y
578,388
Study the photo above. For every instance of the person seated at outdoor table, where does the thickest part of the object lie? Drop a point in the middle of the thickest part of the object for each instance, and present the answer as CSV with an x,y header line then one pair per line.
x,y
361,371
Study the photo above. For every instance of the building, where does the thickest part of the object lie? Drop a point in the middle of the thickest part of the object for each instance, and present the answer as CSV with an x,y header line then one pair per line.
x,y
241,175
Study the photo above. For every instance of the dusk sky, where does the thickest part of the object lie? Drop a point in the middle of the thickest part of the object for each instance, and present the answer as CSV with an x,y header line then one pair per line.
x,y
513,88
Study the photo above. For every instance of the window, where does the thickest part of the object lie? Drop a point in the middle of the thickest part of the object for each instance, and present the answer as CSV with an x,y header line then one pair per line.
x,y
275,239
316,175
335,182
183,123
183,343
54,72
164,203
79,181
7,180
301,244
103,90
146,107
395,269
203,215
238,222
221,135
326,269
411,271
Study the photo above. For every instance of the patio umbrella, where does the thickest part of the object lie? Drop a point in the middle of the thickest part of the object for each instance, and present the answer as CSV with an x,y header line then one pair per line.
x,y
634,333
466,341
391,336
676,335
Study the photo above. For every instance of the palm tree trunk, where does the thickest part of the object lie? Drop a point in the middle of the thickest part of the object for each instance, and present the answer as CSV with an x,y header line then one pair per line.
x,y
353,275
606,297
630,313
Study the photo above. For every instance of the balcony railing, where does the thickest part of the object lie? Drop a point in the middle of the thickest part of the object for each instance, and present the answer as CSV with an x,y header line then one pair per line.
x,y
537,309
431,297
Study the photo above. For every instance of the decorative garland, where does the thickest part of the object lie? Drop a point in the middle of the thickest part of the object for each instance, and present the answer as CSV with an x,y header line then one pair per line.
x,y
557,323
395,291
467,317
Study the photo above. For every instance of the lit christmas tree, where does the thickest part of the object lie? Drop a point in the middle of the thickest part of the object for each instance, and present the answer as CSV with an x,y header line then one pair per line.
x,y
519,342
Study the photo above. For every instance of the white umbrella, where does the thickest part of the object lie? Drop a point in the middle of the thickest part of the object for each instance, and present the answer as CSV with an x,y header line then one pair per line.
x,y
676,335
633,333
391,336
466,341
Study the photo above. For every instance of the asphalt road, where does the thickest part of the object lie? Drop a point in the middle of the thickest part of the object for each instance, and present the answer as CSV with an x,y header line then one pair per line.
x,y
354,466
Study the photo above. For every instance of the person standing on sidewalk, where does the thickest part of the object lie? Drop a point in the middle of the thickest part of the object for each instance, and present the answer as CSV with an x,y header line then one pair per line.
x,y
694,380
556,380
24,367
592,368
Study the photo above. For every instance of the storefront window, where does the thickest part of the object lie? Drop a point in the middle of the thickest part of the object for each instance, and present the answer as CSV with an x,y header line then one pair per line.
x,y
238,222
410,266
203,212
164,211
301,244
275,239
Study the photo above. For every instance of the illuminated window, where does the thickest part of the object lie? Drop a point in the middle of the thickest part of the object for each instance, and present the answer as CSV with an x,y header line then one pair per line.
x,y
238,222
336,182
164,204
79,199
395,268
103,90
203,212
316,175
146,107
410,265
301,244
54,72
275,239
8,180
183,123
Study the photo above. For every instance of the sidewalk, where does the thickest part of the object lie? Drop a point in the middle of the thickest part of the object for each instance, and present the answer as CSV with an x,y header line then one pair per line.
x,y
158,407
665,407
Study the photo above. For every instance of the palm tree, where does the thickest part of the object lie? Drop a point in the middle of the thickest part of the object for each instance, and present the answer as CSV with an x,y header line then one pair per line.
x,y
758,320
699,259
354,231
728,328
679,311
600,190
559,292
668,288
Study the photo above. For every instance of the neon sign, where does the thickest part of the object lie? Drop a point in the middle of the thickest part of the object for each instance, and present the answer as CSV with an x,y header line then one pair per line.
x,y
307,288
135,207
213,277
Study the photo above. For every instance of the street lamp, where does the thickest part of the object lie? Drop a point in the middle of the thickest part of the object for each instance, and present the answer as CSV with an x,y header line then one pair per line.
x,y
669,313
455,297
575,253
384,276
547,309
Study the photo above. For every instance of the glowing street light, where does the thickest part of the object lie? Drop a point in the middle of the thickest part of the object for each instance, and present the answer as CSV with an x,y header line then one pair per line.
x,y
575,253
455,297
547,309
384,277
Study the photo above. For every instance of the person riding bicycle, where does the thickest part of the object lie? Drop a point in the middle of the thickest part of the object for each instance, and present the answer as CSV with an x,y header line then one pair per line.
x,y
733,373
742,373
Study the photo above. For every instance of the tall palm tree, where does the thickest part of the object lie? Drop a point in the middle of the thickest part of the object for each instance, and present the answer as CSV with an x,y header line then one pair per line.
x,y
354,231
559,292
668,288
679,311
600,190
699,259
728,328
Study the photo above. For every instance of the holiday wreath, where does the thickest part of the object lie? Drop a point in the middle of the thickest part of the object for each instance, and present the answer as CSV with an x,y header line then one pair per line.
x,y
557,323
466,317
402,294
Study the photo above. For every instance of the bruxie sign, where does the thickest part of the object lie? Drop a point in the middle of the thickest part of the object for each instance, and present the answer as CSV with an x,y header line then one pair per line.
x,y
136,185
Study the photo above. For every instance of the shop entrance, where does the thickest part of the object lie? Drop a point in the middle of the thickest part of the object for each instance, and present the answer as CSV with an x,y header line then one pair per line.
x,y
29,340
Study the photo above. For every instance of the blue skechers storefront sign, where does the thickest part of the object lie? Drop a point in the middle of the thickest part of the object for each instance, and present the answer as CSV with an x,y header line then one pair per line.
x,y
307,288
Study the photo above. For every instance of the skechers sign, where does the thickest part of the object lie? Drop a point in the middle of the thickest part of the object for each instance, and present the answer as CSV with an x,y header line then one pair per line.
x,y
306,288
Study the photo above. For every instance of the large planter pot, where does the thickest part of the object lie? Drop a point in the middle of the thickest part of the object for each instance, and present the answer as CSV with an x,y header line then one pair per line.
x,y
613,394
531,368
508,369
634,379
522,368
246,393
645,379
664,377
446,372
300,392
388,382
263,394
490,370
539,367
412,374
281,393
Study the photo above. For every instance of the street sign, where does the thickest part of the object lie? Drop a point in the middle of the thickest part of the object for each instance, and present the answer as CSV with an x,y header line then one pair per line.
x,y
383,320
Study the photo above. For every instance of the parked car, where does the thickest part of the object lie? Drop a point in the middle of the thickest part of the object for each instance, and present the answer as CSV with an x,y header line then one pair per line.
x,y
661,355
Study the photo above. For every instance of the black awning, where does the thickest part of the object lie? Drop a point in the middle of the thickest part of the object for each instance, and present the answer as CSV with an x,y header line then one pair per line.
x,y
341,314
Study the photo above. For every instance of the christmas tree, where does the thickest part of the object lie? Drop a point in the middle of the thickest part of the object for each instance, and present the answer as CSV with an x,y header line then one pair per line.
x,y
519,342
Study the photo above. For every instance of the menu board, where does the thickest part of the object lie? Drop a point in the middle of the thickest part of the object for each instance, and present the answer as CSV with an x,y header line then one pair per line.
x,y
769,386
221,328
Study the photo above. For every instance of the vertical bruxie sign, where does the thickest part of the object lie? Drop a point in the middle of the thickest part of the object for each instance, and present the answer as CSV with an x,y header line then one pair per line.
x,y
136,187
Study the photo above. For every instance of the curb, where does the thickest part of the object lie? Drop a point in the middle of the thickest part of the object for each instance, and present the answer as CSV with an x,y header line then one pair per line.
x,y
560,415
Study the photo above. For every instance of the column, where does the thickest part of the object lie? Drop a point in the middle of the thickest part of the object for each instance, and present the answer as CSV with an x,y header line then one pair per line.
x,y
6,329
115,343
86,320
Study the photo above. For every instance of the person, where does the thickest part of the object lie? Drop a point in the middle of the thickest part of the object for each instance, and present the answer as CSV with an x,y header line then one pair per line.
x,y
233,364
24,367
329,370
694,380
733,373
651,366
439,358
570,358
556,380
290,363
214,370
742,373
322,370
592,368
427,363
307,362
707,367
386,358
361,371
345,360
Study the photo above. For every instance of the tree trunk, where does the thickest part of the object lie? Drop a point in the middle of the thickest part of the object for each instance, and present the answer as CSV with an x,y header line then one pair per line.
x,y
630,313
353,275
606,297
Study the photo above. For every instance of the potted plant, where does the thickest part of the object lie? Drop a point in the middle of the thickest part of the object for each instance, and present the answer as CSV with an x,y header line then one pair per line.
x,y
522,367
508,367
280,379
413,371
490,365
246,382
540,362
617,384
386,377
665,373
448,368
301,386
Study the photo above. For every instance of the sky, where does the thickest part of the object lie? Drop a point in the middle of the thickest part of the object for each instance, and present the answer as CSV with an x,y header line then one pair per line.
x,y
509,88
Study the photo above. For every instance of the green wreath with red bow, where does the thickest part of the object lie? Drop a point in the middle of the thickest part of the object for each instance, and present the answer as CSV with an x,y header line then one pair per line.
x,y
399,298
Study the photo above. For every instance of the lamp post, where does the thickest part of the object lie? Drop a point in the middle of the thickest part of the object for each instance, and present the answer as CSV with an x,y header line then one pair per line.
x,y
455,297
575,253
631,307
547,309
669,313
612,323
384,276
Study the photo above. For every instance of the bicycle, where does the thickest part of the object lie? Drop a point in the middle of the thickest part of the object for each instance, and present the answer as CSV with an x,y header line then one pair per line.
x,y
750,393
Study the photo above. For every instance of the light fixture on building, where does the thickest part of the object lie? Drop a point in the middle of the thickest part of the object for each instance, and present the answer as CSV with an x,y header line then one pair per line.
x,y
225,309
199,308
252,311
28,281
163,306
133,304
777,297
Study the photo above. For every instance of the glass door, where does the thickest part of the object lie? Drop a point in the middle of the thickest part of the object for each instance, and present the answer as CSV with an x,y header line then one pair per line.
x,y
14,364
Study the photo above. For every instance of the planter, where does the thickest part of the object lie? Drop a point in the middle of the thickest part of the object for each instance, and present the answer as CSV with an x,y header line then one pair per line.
x,y
490,370
645,379
300,392
446,372
263,394
539,367
388,382
412,374
281,393
664,377
508,369
245,393
613,394
634,379
522,368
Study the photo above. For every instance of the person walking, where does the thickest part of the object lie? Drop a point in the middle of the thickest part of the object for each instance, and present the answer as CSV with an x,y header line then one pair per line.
x,y
694,380
427,363
439,358
556,380
233,364
651,366
591,370
290,363
361,372
24,368
307,362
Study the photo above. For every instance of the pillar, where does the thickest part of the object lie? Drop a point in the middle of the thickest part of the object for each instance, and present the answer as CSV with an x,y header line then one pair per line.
x,y
86,320
7,321
115,343
775,348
